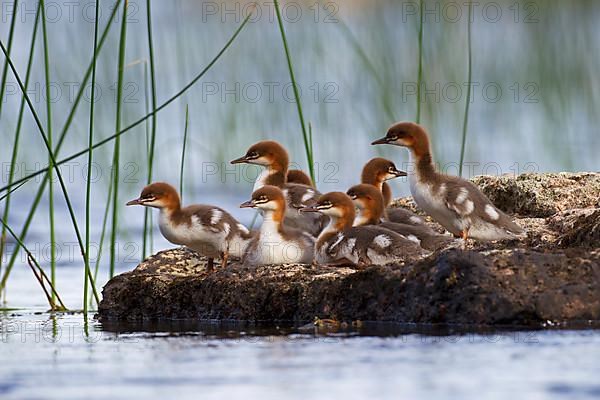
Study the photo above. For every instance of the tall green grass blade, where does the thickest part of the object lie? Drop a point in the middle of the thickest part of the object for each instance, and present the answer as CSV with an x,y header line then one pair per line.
x,y
185,133
31,260
13,189
49,135
309,154
67,125
16,141
11,34
117,148
467,105
420,73
88,184
50,154
110,138
102,233
147,213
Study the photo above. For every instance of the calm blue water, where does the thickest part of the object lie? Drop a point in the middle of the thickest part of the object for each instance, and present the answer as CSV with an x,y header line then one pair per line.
x,y
52,358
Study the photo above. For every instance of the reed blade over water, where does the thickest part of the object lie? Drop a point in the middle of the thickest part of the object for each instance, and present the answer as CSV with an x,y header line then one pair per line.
x,y
63,134
117,147
17,137
307,148
88,185
50,154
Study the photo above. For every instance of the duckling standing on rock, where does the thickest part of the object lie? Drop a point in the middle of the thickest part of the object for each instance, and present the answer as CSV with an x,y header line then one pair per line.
x,y
208,230
275,159
276,243
376,172
341,243
369,202
457,204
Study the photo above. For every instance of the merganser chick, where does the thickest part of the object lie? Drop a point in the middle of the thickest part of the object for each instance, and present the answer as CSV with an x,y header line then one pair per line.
x,y
341,243
376,172
274,157
457,204
369,202
276,243
208,230
300,177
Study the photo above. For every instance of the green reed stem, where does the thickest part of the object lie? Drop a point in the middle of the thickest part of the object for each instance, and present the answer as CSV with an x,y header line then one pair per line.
x,y
16,141
103,232
110,138
420,73
11,34
49,149
467,105
185,133
49,134
309,154
31,260
147,214
88,186
67,125
117,148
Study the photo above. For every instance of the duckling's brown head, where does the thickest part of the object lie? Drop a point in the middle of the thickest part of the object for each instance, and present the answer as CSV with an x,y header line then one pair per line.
x,y
157,195
266,198
407,134
379,170
366,197
333,204
265,153
299,177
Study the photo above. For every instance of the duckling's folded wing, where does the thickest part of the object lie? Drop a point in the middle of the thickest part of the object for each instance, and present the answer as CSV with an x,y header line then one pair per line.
x,y
467,200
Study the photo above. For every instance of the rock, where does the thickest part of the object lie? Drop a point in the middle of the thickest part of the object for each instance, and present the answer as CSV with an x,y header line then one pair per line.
x,y
552,275
469,287
541,195
579,227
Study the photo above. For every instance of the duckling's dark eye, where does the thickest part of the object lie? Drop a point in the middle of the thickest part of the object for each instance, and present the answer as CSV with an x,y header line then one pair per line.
x,y
263,199
391,169
253,155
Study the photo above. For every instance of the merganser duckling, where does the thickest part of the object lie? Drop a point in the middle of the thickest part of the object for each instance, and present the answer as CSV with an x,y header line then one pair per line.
x,y
457,204
275,159
341,243
276,243
376,172
208,230
369,202
300,177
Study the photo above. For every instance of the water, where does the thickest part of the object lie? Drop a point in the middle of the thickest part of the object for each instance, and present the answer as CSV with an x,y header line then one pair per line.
x,y
535,97
52,358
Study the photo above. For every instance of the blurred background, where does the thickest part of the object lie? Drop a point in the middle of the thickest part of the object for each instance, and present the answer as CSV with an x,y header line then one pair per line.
x,y
534,97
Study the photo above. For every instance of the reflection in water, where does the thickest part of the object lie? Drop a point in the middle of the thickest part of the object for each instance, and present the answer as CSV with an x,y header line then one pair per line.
x,y
52,357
